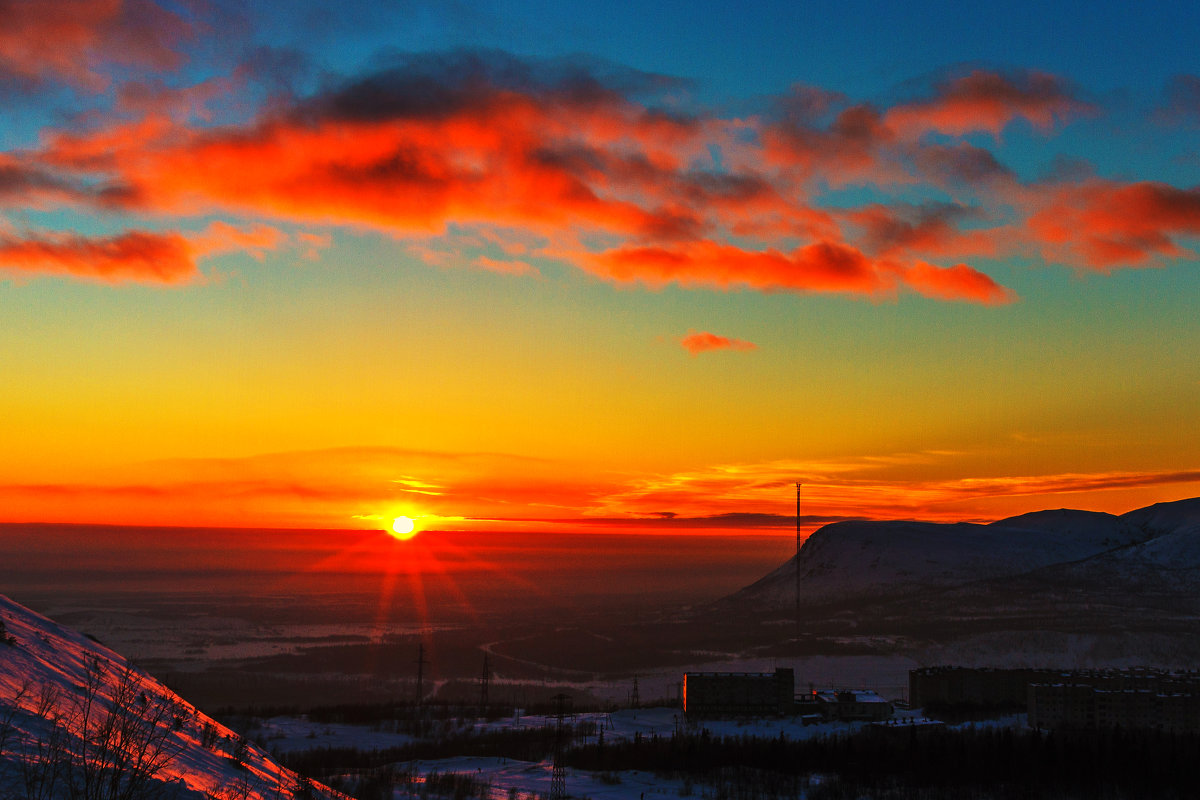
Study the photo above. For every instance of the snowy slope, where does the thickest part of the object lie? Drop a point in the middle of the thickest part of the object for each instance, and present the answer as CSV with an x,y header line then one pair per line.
x,y
1163,518
1105,531
851,561
1167,561
70,708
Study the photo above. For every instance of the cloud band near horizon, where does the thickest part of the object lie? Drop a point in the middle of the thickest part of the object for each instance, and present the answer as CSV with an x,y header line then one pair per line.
x,y
342,487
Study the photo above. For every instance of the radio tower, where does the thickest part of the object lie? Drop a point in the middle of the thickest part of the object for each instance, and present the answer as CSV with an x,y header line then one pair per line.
x,y
421,662
558,776
799,542
484,680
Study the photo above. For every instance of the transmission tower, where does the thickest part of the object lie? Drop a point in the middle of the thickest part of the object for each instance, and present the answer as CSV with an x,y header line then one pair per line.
x,y
421,662
558,777
484,681
799,542
635,699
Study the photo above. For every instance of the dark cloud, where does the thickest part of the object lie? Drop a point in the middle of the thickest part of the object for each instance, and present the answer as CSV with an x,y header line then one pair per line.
x,y
732,520
79,42
926,228
959,163
987,101
22,184
441,85
806,106
1065,169
1181,104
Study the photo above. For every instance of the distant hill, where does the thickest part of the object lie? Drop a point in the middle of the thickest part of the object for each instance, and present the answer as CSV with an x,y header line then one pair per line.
x,y
1034,563
77,720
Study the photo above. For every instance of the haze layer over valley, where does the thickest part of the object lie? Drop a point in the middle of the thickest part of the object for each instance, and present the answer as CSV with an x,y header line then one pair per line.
x,y
1054,588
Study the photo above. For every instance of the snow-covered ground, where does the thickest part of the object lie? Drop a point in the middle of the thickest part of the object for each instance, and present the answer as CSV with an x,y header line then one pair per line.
x,y
885,674
525,779
510,779
292,734
65,699
45,672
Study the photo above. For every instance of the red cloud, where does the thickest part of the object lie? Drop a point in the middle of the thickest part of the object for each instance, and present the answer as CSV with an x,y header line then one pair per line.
x,y
71,40
1102,224
988,101
140,256
696,343
220,237
959,282
819,267
614,187
131,256
824,266
493,165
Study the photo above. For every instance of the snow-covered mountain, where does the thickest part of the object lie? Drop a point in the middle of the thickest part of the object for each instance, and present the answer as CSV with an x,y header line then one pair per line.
x,y
78,720
854,562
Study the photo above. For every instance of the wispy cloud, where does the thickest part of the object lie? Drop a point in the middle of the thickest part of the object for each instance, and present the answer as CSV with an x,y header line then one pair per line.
x,y
1181,104
1104,224
76,41
987,101
335,487
703,341
131,256
138,256
857,488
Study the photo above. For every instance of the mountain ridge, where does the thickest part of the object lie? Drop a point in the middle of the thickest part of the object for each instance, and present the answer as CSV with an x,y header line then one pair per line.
x,y
870,561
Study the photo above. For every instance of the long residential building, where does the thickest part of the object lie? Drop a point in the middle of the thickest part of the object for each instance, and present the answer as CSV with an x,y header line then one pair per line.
x,y
1170,704
1138,698
708,694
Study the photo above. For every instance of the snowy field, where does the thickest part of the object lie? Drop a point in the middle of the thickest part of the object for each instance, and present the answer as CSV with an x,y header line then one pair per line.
x,y
509,779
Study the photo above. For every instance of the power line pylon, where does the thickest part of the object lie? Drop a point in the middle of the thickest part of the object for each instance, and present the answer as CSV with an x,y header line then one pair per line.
x,y
558,777
421,662
484,681
799,543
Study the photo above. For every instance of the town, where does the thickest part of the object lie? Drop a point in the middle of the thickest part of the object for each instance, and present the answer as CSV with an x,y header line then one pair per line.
x,y
1130,699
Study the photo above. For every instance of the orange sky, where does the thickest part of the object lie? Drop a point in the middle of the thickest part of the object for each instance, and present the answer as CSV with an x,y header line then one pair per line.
x,y
322,273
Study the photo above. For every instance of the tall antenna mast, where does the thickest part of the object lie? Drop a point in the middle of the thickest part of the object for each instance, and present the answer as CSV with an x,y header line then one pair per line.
x,y
421,662
799,543
558,774
483,683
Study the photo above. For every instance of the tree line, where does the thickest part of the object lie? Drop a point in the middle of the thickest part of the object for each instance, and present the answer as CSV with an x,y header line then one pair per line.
x,y
924,762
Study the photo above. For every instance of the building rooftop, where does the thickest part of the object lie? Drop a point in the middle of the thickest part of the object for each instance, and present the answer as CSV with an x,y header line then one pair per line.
x,y
846,696
729,674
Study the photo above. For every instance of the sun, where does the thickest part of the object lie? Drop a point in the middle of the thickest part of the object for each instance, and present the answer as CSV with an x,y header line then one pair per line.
x,y
404,528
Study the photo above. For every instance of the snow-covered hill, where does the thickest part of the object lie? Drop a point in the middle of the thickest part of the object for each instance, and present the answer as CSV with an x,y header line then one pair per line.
x,y
77,720
1166,517
1165,561
848,562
